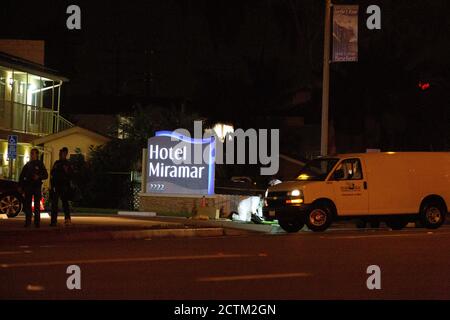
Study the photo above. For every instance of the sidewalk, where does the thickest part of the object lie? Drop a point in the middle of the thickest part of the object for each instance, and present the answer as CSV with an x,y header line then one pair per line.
x,y
238,225
222,223
96,227
343,225
92,227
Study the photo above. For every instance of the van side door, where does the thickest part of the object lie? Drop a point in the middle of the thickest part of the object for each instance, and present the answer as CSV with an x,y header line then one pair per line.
x,y
350,188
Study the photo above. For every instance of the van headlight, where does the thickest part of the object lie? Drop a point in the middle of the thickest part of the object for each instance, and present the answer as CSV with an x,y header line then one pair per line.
x,y
295,197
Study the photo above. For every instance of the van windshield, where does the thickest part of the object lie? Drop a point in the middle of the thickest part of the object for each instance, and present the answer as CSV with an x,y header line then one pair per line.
x,y
317,169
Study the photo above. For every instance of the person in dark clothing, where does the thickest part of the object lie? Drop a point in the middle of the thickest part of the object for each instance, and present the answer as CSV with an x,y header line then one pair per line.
x,y
31,183
60,177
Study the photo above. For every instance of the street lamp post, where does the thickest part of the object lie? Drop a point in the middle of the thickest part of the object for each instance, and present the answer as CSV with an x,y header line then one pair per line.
x,y
326,80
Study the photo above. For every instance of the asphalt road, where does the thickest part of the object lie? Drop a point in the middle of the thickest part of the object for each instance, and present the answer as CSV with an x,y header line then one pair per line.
x,y
414,263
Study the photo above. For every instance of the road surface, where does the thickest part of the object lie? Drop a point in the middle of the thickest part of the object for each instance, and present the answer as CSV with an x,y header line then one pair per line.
x,y
414,264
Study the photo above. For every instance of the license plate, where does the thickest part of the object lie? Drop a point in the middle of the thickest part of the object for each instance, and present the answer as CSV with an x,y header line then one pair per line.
x,y
272,213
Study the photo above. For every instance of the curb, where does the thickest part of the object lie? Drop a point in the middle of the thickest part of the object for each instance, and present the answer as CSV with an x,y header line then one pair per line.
x,y
175,233
237,227
44,215
136,214
143,234
258,228
122,235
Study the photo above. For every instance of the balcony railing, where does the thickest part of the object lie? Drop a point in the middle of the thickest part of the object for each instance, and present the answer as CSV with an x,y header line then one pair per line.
x,y
31,119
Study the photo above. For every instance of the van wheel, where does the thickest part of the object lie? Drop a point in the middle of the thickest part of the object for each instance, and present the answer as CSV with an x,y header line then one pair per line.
x,y
319,217
290,226
397,223
433,215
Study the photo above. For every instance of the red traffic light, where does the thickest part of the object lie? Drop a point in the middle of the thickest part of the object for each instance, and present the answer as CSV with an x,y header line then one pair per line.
x,y
424,86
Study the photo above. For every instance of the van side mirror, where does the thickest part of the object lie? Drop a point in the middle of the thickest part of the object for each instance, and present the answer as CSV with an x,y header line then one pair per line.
x,y
338,174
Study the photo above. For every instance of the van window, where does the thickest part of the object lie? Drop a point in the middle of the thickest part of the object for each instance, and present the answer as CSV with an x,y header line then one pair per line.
x,y
317,169
351,169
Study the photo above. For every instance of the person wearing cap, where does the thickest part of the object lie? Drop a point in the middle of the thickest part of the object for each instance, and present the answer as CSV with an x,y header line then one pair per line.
x,y
30,181
60,177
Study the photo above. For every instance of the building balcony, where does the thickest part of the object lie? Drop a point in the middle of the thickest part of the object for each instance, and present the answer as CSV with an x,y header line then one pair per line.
x,y
32,120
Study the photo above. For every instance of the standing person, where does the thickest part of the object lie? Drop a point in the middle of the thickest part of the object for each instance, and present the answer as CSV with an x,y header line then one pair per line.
x,y
60,177
33,172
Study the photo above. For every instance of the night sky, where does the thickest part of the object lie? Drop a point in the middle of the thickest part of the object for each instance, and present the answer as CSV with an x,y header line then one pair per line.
x,y
232,60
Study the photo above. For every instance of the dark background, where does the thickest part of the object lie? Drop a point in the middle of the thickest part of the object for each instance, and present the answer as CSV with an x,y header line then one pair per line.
x,y
245,61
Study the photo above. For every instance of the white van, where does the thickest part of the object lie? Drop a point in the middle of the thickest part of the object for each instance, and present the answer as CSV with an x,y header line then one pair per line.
x,y
394,187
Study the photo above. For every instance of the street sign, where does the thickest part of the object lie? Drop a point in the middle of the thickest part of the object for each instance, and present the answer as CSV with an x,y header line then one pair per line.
x,y
12,146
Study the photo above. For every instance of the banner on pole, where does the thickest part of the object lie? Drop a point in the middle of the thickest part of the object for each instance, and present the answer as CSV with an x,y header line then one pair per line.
x,y
345,33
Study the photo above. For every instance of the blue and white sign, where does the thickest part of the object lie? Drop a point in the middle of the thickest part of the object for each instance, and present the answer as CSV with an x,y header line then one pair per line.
x,y
178,164
12,146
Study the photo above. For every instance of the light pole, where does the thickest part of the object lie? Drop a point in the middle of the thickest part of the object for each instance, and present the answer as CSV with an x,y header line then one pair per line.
x,y
326,79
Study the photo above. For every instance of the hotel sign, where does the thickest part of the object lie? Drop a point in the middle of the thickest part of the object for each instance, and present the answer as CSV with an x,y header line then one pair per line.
x,y
178,164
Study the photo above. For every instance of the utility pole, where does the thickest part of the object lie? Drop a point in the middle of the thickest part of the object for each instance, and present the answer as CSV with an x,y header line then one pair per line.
x,y
326,80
